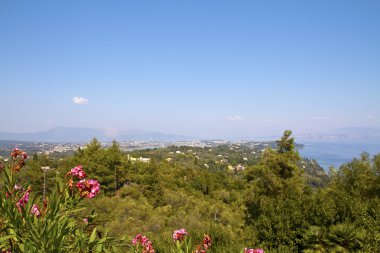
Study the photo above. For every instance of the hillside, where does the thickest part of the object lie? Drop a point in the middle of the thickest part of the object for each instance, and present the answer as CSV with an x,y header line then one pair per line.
x,y
238,193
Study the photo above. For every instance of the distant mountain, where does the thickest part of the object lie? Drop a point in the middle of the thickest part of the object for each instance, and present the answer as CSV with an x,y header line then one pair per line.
x,y
345,134
359,132
78,135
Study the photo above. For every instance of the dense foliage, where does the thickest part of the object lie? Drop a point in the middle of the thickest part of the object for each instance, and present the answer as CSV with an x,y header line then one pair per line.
x,y
273,203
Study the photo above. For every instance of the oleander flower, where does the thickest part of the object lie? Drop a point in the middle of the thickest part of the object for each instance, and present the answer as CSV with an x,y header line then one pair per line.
x,y
88,188
95,188
179,235
258,250
35,210
18,188
77,172
24,155
148,248
17,166
136,239
18,157
15,152
145,243
23,200
206,242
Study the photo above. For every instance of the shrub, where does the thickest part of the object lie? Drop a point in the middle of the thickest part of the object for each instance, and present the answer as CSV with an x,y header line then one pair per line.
x,y
56,223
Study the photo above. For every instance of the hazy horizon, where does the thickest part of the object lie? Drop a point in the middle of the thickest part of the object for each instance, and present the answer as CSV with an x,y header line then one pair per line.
x,y
199,68
344,135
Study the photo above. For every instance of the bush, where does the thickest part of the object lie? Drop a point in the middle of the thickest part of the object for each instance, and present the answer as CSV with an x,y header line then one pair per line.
x,y
56,223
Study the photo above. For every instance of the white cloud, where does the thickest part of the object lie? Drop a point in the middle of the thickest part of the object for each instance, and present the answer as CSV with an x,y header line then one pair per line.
x,y
234,118
80,100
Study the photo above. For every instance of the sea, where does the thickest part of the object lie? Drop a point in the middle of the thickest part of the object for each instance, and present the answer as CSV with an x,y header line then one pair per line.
x,y
335,154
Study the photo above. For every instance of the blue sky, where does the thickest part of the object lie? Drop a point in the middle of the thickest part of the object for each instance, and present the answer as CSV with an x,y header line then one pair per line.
x,y
202,67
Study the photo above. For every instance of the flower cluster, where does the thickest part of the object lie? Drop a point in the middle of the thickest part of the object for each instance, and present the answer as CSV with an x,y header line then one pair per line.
x,y
18,153
253,250
179,235
144,242
18,158
88,188
77,172
207,241
206,244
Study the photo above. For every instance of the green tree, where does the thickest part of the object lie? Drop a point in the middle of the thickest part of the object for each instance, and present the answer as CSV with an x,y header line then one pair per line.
x,y
275,196
114,162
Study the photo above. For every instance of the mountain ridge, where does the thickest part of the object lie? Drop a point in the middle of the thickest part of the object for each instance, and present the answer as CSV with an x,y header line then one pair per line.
x,y
78,135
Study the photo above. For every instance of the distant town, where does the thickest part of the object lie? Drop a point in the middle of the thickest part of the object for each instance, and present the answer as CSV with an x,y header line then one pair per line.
x,y
249,150
60,148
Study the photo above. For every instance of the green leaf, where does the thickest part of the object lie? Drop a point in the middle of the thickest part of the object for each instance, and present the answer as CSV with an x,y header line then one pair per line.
x,y
5,238
93,236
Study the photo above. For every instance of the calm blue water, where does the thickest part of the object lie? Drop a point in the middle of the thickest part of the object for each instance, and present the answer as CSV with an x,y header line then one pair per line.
x,y
335,154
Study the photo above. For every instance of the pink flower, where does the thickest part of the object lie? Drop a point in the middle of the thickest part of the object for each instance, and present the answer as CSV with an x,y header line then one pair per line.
x,y
77,172
24,155
18,157
81,184
179,235
95,188
85,221
206,242
23,200
258,250
88,188
35,210
136,239
16,152
144,242
148,248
